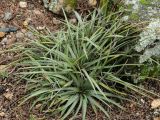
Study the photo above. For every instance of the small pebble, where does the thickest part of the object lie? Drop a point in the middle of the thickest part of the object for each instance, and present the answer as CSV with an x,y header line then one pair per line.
x,y
8,29
19,35
4,41
7,16
40,27
38,106
56,21
142,101
9,36
2,114
156,112
137,114
23,30
92,2
73,20
31,6
29,35
10,41
37,12
23,4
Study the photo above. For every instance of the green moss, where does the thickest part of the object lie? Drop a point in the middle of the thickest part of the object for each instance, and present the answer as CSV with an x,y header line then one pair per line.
x,y
71,3
145,2
134,16
3,74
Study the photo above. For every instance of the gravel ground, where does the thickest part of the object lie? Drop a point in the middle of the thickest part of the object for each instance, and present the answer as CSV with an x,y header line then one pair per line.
x,y
16,17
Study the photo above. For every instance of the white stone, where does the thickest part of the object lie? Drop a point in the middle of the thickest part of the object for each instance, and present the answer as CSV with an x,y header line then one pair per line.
x,y
23,4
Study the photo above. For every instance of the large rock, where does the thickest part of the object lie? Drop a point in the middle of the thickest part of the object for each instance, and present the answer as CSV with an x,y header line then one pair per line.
x,y
144,9
56,5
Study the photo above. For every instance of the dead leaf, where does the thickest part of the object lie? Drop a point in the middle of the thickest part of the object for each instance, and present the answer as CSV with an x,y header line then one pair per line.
x,y
8,95
157,118
2,114
155,103
2,34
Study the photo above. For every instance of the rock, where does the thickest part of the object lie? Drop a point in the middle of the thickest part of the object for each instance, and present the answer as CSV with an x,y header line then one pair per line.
x,y
56,21
2,114
92,2
4,41
155,103
19,35
8,95
40,27
31,6
10,41
142,100
23,30
37,12
57,9
68,9
23,4
7,16
73,20
38,106
56,5
156,112
8,29
2,34
29,35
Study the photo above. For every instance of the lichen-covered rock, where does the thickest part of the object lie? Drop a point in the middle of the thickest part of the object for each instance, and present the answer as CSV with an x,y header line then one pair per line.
x,y
149,41
56,6
144,9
